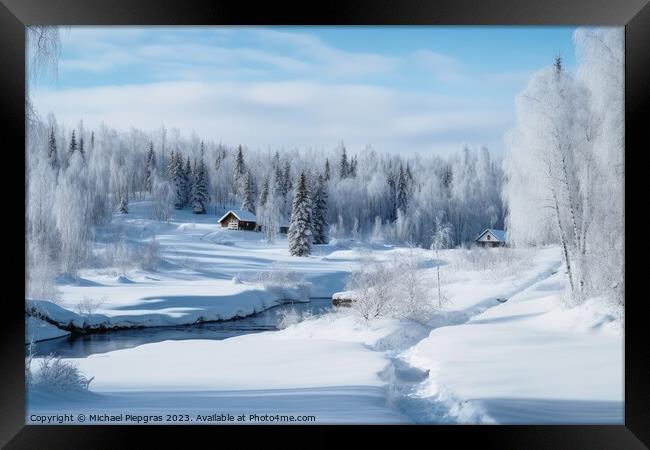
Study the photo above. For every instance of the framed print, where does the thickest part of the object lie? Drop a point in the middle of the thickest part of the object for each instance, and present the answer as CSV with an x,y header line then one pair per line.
x,y
364,217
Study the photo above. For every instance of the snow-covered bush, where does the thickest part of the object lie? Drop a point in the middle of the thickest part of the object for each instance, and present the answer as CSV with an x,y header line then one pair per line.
x,y
148,254
40,274
290,316
372,283
491,262
88,306
284,282
119,254
162,199
54,374
394,288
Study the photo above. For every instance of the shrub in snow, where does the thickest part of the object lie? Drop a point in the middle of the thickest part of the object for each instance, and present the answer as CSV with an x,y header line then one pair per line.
x,y
88,306
118,253
162,199
288,317
492,262
124,205
40,275
54,374
236,280
149,254
394,288
284,282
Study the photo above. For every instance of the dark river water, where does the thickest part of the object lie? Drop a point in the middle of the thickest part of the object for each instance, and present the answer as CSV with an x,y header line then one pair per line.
x,y
83,346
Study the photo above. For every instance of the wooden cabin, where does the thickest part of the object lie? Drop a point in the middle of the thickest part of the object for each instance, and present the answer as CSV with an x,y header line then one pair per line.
x,y
491,238
236,219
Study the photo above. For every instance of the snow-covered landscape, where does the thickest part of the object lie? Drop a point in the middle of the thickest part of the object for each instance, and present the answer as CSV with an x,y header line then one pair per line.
x,y
175,279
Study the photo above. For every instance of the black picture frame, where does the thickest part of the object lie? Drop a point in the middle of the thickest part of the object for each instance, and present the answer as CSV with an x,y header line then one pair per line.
x,y
633,14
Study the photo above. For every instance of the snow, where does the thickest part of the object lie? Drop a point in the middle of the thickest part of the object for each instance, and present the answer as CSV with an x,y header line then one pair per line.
x,y
531,355
40,330
233,364
505,349
194,281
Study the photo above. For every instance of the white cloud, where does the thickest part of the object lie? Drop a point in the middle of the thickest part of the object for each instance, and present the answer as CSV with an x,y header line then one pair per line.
x,y
285,114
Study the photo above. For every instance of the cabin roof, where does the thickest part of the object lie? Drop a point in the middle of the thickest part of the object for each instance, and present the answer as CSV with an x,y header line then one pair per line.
x,y
244,216
501,235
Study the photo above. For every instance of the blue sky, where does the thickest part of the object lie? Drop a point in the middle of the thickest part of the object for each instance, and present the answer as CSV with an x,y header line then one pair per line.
x,y
399,89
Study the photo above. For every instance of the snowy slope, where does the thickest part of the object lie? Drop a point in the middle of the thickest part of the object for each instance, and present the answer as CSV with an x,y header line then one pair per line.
x,y
525,361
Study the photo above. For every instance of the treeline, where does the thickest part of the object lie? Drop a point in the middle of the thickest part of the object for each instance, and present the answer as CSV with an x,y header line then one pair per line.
x,y
79,178
564,167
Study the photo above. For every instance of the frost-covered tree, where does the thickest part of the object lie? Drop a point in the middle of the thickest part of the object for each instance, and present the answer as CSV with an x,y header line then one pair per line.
x,y
264,193
177,176
51,150
561,185
269,213
441,239
124,205
288,184
600,54
163,197
200,186
548,147
300,234
402,191
150,164
248,203
188,182
344,165
327,175
352,172
73,144
319,212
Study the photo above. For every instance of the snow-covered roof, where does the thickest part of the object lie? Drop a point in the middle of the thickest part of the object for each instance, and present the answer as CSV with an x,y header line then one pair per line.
x,y
501,235
244,216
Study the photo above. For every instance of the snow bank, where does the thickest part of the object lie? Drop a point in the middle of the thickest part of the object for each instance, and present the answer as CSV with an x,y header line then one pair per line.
x,y
528,360
234,364
40,330
239,300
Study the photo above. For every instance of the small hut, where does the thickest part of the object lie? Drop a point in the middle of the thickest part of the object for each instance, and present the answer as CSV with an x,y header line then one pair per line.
x,y
492,238
236,219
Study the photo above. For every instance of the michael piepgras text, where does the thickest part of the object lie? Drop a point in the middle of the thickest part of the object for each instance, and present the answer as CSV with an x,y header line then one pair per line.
x,y
58,419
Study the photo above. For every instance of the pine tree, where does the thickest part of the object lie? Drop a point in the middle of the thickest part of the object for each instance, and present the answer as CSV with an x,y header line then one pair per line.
x,y
240,164
81,144
300,234
92,141
264,194
249,194
51,150
276,160
344,166
124,205
327,169
278,183
402,191
73,144
200,190
150,165
188,181
319,212
353,167
288,184
392,189
177,175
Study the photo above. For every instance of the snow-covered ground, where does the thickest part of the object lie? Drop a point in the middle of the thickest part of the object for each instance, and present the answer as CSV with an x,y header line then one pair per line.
x,y
205,273
505,349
